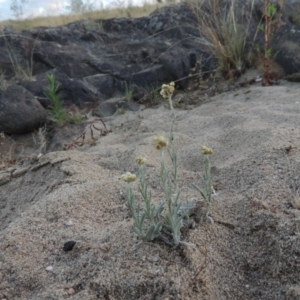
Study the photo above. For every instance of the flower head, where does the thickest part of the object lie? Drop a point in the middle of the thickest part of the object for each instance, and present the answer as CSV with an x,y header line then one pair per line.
x,y
128,177
167,90
206,151
140,160
164,94
160,142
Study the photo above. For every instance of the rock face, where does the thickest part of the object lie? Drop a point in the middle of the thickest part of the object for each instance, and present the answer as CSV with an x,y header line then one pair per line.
x,y
286,40
20,112
94,60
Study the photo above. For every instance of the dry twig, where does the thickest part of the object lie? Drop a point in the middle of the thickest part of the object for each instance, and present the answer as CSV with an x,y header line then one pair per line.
x,y
80,141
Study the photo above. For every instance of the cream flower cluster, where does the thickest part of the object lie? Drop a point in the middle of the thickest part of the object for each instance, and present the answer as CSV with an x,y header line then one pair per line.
x,y
160,142
167,90
128,177
206,151
140,160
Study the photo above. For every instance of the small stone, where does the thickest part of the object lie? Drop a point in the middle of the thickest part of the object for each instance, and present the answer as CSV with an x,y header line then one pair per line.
x,y
4,178
71,291
20,172
105,109
68,246
69,223
153,258
49,269
157,272
131,106
247,286
210,220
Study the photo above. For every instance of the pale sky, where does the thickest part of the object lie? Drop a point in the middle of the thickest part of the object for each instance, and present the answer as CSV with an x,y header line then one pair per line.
x,y
36,8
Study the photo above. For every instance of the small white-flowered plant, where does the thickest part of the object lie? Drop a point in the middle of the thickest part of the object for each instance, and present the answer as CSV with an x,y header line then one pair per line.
x,y
165,220
146,224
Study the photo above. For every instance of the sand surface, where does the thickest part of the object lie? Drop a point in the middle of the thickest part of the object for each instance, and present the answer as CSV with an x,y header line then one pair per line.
x,y
251,251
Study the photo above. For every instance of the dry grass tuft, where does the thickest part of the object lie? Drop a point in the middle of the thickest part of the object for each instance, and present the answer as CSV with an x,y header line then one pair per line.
x,y
53,21
226,37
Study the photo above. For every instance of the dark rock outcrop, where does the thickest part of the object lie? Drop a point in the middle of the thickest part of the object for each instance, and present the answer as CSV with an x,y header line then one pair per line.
x,y
94,60
20,112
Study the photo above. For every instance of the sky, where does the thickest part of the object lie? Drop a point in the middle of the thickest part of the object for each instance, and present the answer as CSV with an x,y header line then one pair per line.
x,y
35,8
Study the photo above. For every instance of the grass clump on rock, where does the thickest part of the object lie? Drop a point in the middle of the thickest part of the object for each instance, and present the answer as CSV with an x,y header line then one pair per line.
x,y
58,113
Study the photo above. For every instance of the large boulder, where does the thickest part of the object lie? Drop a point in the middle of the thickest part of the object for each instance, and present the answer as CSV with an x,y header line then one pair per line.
x,y
20,112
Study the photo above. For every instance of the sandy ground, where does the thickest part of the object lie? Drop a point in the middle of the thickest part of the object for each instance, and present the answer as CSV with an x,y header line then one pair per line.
x,y
251,251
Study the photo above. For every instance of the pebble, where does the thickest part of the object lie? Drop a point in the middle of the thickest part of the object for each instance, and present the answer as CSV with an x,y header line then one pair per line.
x,y
49,269
4,178
68,246
210,220
71,291
153,258
69,223
20,172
